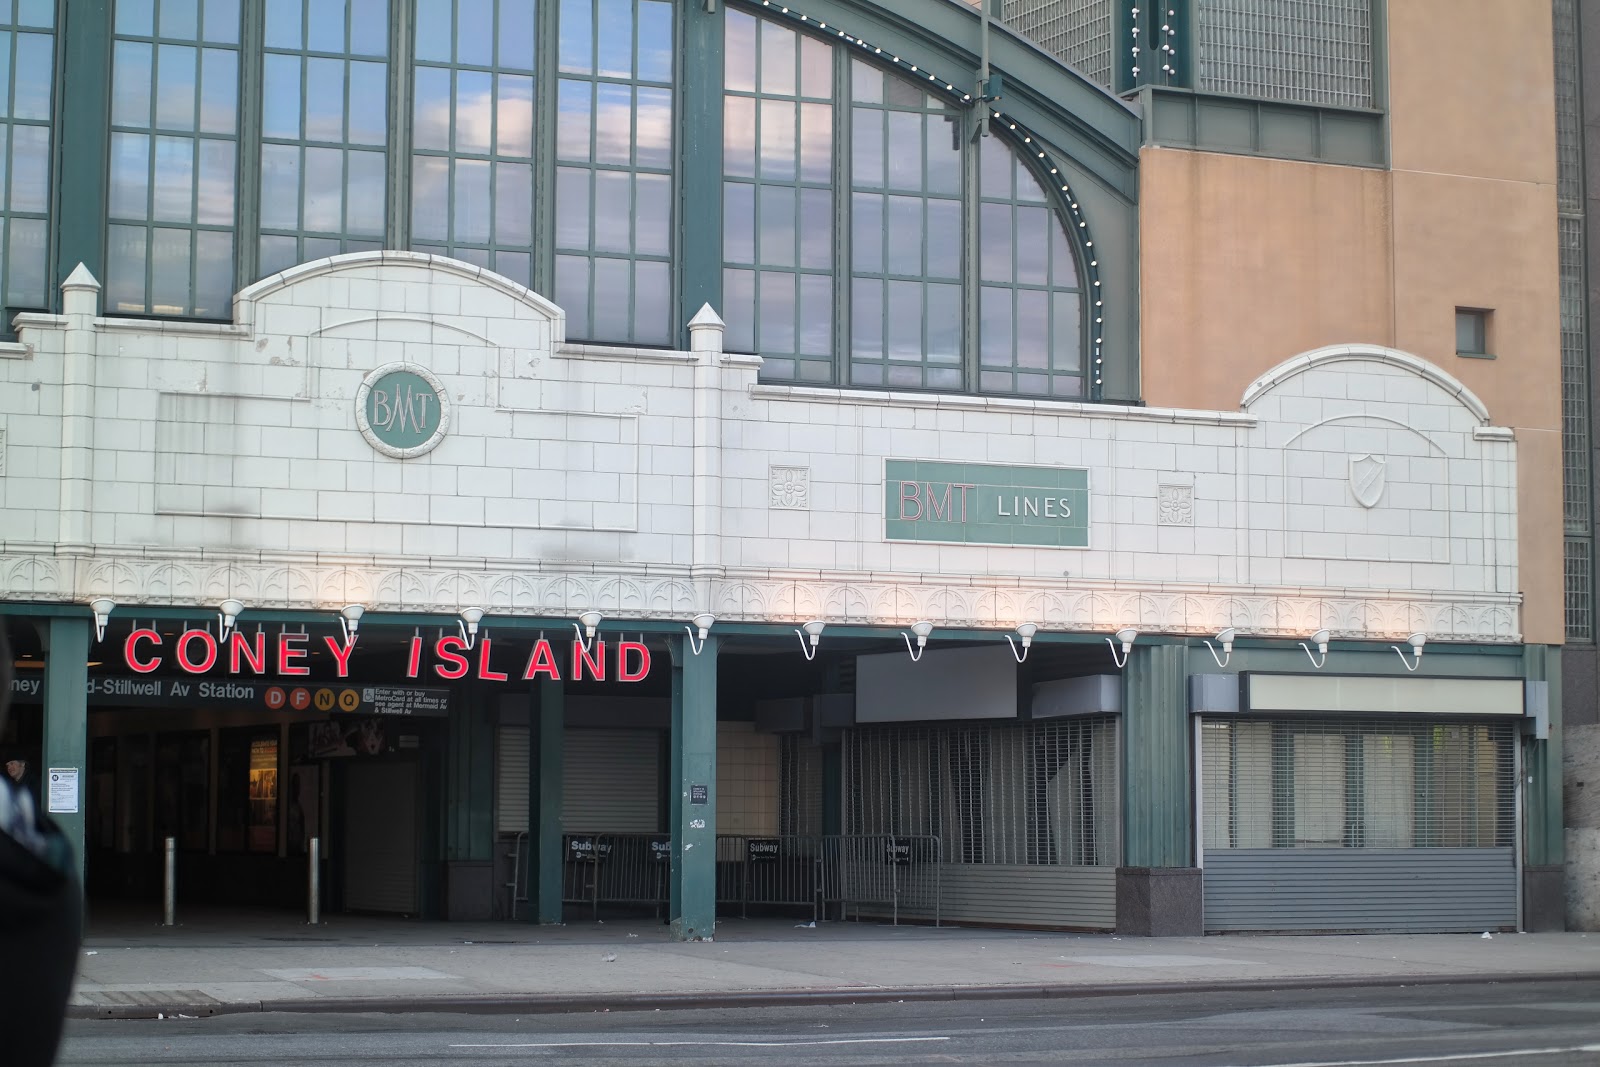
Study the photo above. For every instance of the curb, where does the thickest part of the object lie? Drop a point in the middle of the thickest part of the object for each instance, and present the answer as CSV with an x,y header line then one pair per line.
x,y
563,1003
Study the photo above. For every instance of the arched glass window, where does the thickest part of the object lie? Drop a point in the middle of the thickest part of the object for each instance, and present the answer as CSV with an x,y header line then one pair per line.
x,y
941,251
614,149
777,197
324,129
472,134
174,141
905,234
869,236
1030,314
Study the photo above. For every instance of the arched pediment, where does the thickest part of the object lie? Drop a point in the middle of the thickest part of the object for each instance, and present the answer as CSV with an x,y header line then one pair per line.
x,y
1357,353
399,269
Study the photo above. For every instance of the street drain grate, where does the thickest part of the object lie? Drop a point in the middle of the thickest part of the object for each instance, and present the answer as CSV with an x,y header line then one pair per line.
x,y
324,939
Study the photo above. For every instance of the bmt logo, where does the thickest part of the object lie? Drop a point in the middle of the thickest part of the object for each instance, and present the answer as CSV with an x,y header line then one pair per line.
x,y
402,410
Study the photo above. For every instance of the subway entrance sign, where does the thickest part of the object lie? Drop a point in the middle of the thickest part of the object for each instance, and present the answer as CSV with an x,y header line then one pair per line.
x,y
985,504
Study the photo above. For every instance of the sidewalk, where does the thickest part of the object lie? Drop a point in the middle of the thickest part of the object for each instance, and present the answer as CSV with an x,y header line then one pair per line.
x,y
244,962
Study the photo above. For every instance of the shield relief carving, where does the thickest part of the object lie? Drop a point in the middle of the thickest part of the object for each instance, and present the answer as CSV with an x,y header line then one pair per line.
x,y
1367,478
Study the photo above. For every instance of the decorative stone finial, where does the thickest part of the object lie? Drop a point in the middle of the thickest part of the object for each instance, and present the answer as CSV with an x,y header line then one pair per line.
x,y
706,330
80,278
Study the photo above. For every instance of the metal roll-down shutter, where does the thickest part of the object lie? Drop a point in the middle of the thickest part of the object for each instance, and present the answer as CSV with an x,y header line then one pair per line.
x,y
1371,825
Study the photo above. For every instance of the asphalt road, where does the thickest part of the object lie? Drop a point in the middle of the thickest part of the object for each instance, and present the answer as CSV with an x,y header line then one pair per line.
x,y
1543,1024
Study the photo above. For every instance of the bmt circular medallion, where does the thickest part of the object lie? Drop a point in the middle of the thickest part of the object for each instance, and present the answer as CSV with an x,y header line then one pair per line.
x,y
402,410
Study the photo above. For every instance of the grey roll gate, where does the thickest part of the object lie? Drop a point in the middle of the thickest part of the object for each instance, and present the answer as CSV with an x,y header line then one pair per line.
x,y
1372,825
380,837
611,781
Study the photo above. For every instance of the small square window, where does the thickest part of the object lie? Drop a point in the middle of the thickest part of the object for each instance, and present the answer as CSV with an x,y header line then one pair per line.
x,y
1472,332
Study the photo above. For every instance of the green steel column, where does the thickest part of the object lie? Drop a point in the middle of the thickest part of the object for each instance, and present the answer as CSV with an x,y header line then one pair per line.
x,y
1541,771
66,718
546,735
676,800
700,182
694,760
83,115
457,783
832,789
480,792
1156,790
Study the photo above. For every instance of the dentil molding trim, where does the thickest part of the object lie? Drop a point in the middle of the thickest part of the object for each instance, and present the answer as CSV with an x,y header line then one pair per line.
x,y
310,582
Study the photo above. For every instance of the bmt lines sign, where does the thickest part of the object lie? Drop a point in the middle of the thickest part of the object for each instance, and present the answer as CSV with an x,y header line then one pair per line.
x,y
985,504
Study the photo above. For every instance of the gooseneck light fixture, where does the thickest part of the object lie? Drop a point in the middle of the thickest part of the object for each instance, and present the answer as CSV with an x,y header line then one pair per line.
x,y
102,608
468,623
1225,639
1320,639
1125,637
702,623
231,610
1026,632
350,621
922,630
1416,641
591,625
809,639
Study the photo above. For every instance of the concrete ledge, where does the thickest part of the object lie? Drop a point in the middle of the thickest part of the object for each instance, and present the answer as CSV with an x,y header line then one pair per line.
x,y
559,1003
1159,901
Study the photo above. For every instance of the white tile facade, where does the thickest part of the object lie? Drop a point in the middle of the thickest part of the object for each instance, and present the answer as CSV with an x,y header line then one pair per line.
x,y
1357,489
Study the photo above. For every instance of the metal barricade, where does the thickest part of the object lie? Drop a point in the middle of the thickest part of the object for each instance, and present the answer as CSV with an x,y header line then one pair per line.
x,y
615,869
860,875
868,874
519,872
781,870
632,869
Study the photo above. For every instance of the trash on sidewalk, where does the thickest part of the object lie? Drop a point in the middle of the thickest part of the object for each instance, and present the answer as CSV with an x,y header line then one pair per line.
x,y
1487,936
610,957
812,925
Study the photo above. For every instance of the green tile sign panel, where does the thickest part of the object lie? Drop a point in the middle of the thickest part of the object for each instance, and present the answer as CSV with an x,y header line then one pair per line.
x,y
983,504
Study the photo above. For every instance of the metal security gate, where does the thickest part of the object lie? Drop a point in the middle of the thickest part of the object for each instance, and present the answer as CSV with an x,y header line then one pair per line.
x,y
1025,813
1366,825
611,781
380,837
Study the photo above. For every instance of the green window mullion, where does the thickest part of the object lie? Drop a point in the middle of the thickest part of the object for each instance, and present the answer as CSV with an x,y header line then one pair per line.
x,y
843,299
969,281
247,161
194,198
397,142
545,85
150,197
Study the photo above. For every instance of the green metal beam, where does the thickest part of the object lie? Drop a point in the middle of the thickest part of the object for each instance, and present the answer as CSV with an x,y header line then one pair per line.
x,y
699,183
82,141
694,808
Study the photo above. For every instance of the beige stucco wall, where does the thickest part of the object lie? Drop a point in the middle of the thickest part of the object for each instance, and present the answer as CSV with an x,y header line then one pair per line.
x,y
1246,262
1471,88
